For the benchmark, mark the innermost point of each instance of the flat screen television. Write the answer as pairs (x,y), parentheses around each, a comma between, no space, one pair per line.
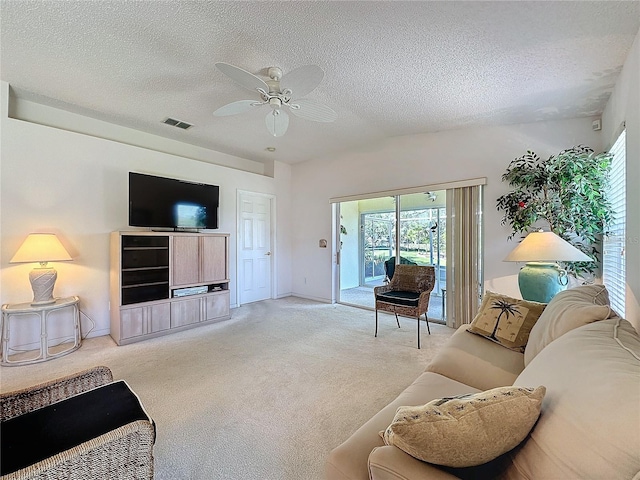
(159,202)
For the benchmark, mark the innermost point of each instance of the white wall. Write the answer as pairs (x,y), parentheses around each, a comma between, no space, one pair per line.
(624,105)
(77,186)
(411,161)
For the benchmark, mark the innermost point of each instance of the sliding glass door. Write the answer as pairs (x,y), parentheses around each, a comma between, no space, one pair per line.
(439,225)
(378,244)
(423,232)
(376,230)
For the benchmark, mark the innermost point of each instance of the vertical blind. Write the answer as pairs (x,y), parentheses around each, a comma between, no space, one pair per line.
(613,256)
(464,254)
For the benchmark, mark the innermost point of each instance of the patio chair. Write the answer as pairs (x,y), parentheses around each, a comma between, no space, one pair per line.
(406,294)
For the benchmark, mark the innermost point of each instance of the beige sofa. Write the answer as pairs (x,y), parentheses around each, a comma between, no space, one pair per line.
(589,361)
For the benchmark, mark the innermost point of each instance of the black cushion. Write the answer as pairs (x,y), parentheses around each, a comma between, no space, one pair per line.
(399,297)
(37,435)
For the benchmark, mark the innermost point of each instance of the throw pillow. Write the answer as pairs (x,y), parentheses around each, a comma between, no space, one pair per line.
(505,320)
(466,430)
(569,309)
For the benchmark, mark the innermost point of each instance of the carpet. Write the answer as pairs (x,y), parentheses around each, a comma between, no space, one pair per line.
(265,395)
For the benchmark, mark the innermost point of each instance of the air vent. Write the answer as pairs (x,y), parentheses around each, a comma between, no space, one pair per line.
(177,123)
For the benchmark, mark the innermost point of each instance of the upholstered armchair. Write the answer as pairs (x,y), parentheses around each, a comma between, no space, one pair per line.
(406,294)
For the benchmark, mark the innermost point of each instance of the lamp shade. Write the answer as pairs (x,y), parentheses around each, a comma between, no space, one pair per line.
(546,247)
(539,280)
(41,247)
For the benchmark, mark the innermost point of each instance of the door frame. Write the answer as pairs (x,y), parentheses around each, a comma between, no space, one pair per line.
(272,240)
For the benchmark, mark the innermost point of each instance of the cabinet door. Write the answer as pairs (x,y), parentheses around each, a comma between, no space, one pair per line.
(159,317)
(213,258)
(186,260)
(184,312)
(217,306)
(131,322)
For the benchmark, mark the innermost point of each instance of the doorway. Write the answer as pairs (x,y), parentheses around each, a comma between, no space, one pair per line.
(374,230)
(254,246)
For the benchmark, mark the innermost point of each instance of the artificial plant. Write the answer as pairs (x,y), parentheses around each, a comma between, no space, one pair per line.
(568,190)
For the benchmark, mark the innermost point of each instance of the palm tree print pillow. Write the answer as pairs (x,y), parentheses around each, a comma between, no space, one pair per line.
(505,320)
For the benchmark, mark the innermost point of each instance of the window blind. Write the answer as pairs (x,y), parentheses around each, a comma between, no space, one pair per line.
(464,254)
(613,256)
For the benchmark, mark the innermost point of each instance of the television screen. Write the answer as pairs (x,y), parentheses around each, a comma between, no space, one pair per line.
(159,202)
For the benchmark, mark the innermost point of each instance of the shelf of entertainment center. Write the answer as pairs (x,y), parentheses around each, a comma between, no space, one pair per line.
(163,282)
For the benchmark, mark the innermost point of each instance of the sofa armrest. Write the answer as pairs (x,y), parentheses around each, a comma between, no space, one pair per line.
(391,463)
(476,361)
(32,398)
(124,453)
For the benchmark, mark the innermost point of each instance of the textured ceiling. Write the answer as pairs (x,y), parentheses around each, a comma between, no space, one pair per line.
(391,68)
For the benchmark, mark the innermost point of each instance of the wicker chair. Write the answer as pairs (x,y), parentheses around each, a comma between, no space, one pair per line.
(123,453)
(406,294)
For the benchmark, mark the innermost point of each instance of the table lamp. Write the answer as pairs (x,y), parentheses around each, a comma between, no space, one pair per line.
(42,248)
(542,278)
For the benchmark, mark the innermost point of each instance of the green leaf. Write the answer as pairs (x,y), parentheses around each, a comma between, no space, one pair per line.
(567,190)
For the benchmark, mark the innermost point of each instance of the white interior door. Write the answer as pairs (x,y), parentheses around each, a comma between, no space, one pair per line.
(254,247)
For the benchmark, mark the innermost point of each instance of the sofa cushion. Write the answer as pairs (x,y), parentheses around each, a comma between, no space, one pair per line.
(349,460)
(391,463)
(466,430)
(506,320)
(569,309)
(475,361)
(588,427)
(400,297)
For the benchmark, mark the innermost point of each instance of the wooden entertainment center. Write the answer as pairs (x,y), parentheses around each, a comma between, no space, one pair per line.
(163,282)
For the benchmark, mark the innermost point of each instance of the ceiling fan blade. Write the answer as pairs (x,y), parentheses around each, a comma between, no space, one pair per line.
(234,108)
(277,122)
(242,77)
(302,80)
(312,110)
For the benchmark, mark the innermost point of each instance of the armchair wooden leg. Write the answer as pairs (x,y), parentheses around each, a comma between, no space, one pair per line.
(397,321)
(418,331)
(426,319)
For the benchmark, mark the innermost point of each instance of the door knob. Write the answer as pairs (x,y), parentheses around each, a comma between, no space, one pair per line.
(268,253)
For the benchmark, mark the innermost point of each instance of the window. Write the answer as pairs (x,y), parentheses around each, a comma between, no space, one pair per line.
(613,257)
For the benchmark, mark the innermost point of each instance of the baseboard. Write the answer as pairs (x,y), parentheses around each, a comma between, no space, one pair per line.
(309,297)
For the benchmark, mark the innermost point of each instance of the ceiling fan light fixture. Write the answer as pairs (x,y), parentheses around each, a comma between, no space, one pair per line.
(277,122)
(277,92)
(275,103)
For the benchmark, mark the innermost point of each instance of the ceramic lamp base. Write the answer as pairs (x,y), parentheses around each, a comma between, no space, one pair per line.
(42,282)
(540,282)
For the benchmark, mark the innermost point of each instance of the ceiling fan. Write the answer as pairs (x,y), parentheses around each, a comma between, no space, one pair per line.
(279,92)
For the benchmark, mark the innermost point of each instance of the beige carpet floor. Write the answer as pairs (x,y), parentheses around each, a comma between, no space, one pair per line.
(265,395)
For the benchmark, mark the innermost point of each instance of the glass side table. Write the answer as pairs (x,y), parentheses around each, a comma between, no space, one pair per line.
(11,313)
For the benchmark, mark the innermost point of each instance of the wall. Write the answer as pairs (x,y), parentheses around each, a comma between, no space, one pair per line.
(411,161)
(76,185)
(624,106)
